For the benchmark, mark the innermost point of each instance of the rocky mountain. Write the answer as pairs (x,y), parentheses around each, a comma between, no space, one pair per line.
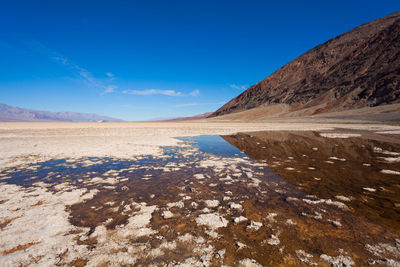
(10,113)
(358,69)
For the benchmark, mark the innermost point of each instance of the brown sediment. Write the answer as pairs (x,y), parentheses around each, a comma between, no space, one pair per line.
(90,242)
(19,247)
(84,215)
(40,202)
(7,221)
(316,236)
(79,262)
(181,251)
(346,176)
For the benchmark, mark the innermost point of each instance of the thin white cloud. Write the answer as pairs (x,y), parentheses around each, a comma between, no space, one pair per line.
(111,77)
(194,93)
(238,87)
(81,72)
(153,92)
(109,89)
(160,92)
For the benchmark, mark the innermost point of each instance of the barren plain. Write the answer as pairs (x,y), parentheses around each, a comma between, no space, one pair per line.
(202,193)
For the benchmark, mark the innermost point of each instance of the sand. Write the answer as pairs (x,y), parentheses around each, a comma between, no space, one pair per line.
(30,142)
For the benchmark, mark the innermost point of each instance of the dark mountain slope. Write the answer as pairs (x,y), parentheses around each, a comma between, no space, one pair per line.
(360,68)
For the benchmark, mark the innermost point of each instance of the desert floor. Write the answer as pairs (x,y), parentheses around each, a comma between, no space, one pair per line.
(27,142)
(283,194)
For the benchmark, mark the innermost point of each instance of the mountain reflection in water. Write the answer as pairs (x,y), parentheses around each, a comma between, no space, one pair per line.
(358,171)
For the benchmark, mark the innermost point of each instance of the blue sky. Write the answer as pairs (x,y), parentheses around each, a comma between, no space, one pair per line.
(140,60)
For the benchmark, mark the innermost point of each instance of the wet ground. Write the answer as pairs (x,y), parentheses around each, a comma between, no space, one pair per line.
(262,198)
(364,172)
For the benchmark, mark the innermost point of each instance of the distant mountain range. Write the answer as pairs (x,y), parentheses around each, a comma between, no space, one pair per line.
(358,69)
(10,113)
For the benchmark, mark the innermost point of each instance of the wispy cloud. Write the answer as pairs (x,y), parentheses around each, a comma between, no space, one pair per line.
(239,87)
(111,77)
(109,89)
(82,72)
(194,93)
(85,75)
(160,92)
(153,92)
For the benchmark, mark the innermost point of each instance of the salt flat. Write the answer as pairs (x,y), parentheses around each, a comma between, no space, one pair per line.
(101,194)
(22,142)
